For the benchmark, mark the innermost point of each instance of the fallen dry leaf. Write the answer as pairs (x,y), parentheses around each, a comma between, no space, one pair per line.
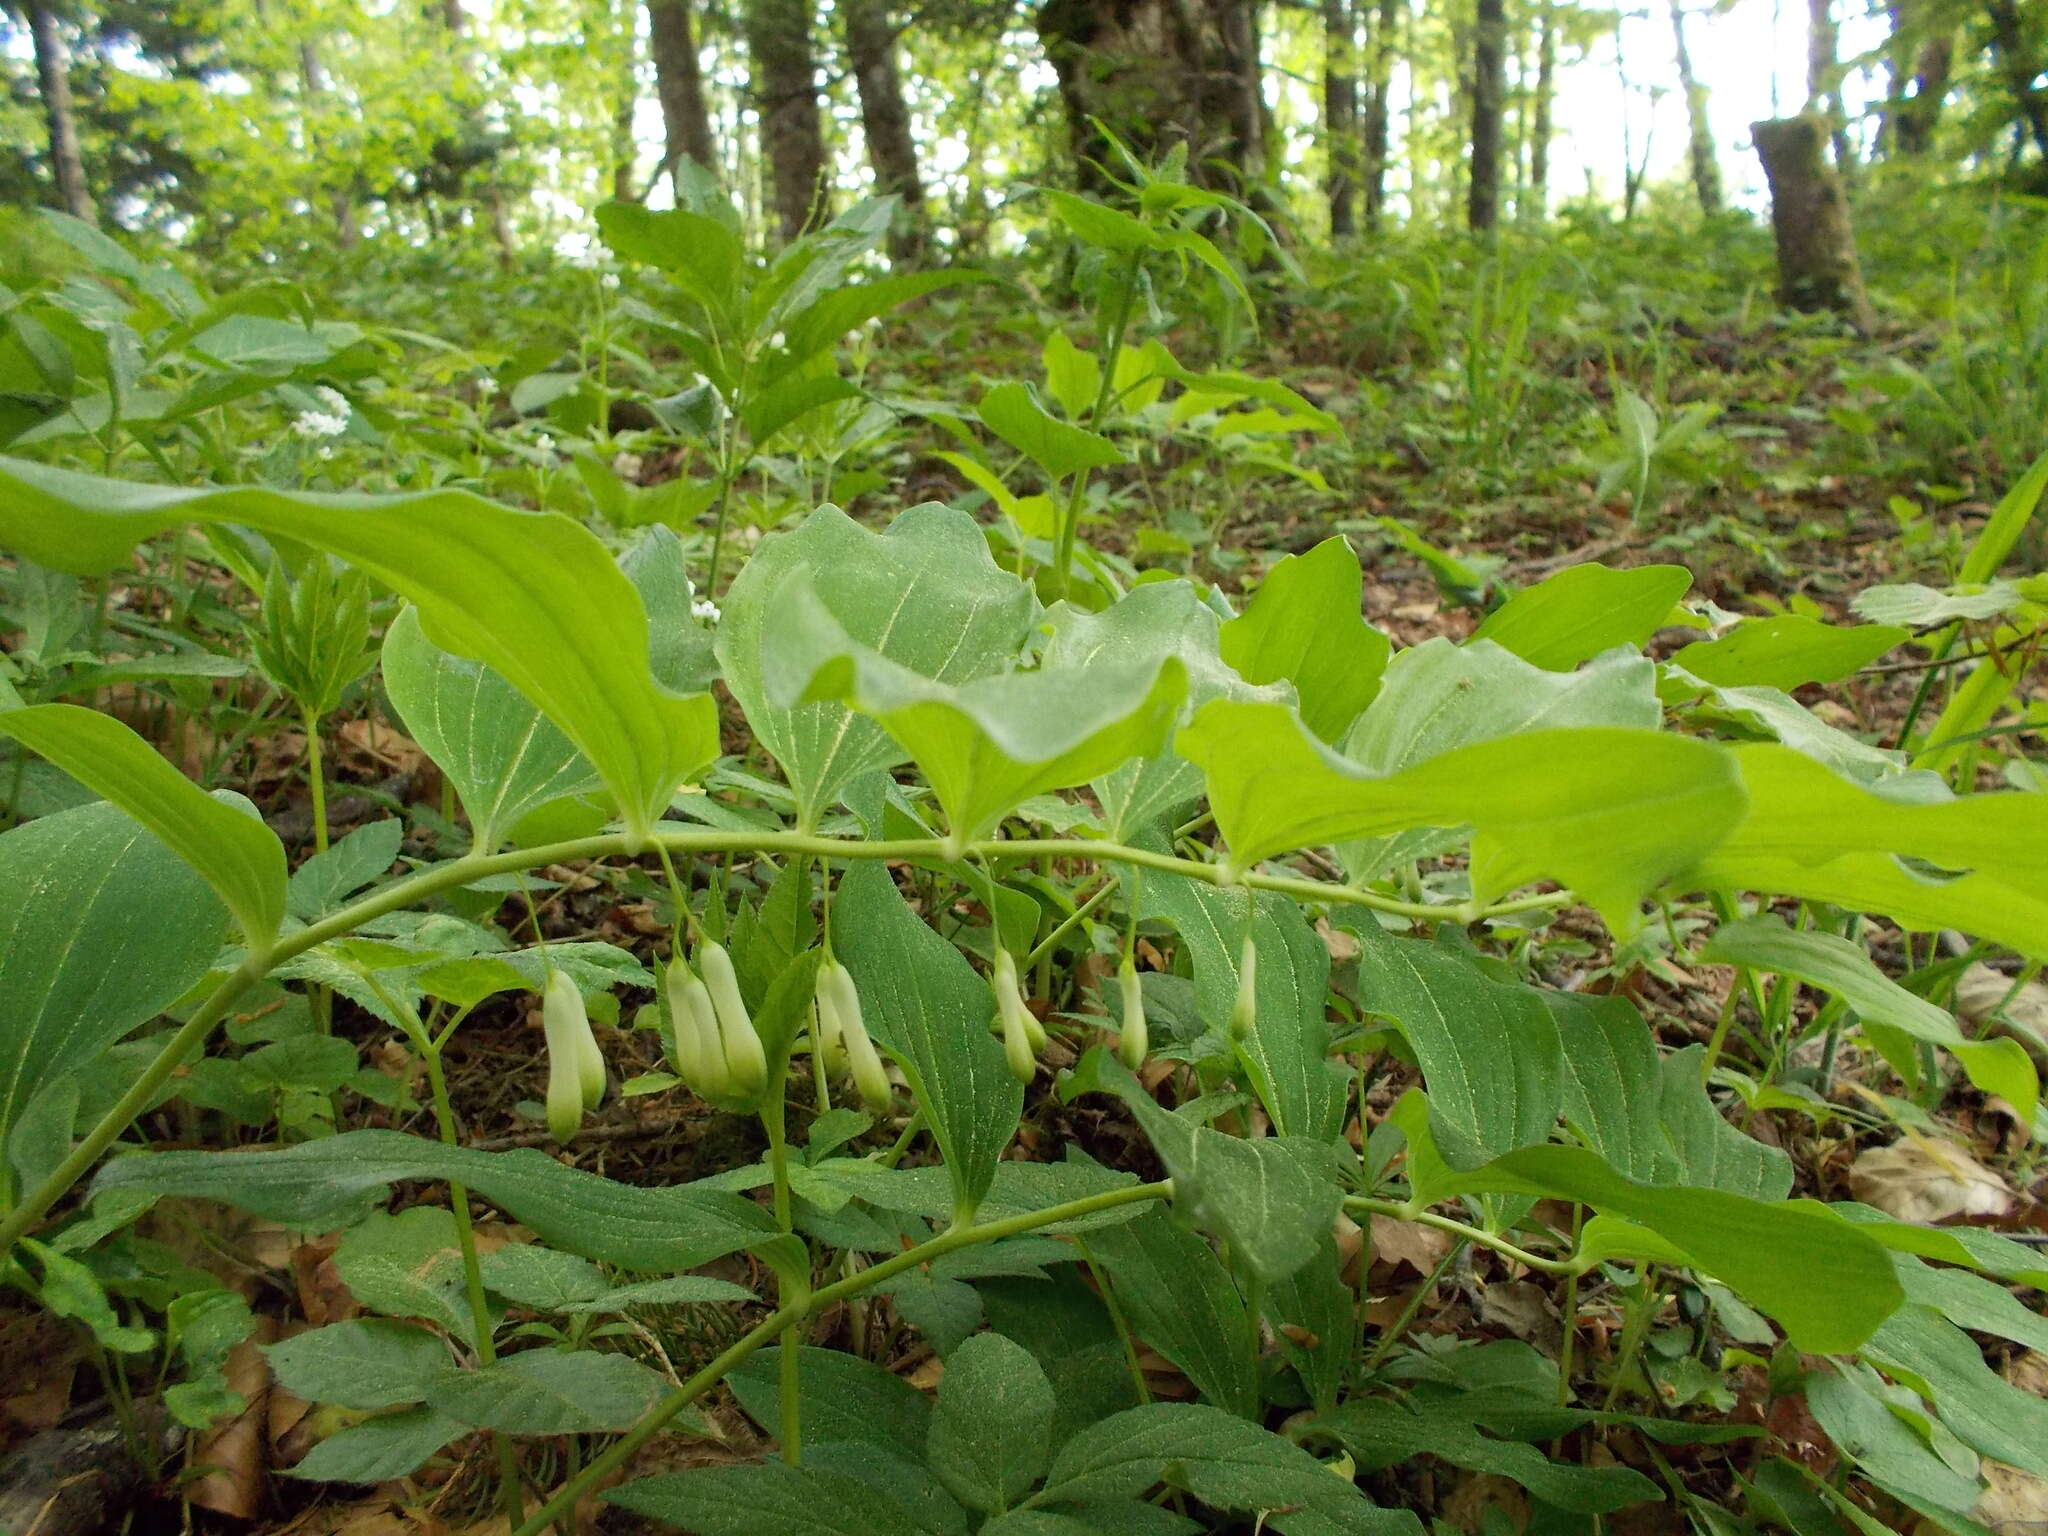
(1922,1180)
(1407,1242)
(2025,1017)
(2014,1503)
(236,1450)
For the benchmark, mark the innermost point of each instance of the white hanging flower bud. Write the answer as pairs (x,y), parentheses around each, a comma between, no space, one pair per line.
(575,1065)
(1244,1012)
(1133,1043)
(746,1063)
(1010,1009)
(837,991)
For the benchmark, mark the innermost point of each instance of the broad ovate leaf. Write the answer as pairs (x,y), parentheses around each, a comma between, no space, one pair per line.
(1304,627)
(988,744)
(926,595)
(1787,650)
(1583,610)
(1611,813)
(104,928)
(503,757)
(533,595)
(1810,833)
(225,841)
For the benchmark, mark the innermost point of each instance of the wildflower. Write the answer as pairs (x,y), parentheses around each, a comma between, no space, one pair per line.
(608,280)
(486,386)
(705,610)
(311,426)
(544,443)
(334,400)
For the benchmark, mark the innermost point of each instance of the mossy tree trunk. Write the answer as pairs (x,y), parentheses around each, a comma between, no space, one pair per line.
(1817,268)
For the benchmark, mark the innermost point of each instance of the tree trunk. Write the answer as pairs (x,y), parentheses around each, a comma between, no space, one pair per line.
(885,118)
(1340,111)
(313,80)
(2008,39)
(1489,87)
(785,90)
(1706,168)
(1913,118)
(1823,75)
(1546,93)
(53,79)
(1817,268)
(1374,135)
(1158,73)
(679,87)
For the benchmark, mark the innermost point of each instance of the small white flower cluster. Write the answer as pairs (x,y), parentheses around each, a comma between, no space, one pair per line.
(543,443)
(486,386)
(330,420)
(701,608)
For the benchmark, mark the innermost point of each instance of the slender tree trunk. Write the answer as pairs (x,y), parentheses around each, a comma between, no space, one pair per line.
(885,118)
(1913,118)
(1340,111)
(1373,138)
(313,81)
(1158,73)
(1546,91)
(456,20)
(785,90)
(53,80)
(1817,267)
(1823,75)
(2009,40)
(1706,168)
(679,86)
(1489,87)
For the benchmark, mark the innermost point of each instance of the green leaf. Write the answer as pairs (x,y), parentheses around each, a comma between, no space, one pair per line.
(1382,1434)
(769,1499)
(700,255)
(1767,1250)
(1271,1199)
(531,1276)
(1287,1051)
(1098,224)
(1852,1405)
(104,928)
(986,745)
(550,1392)
(2007,522)
(408,1265)
(319,1186)
(533,595)
(1149,623)
(1180,1299)
(1070,1333)
(1222,1460)
(68,1288)
(1822,960)
(1972,1302)
(1611,813)
(1011,412)
(501,755)
(367,1363)
(327,879)
(390,1445)
(926,595)
(1583,610)
(1489,1050)
(1072,377)
(990,1437)
(821,323)
(231,848)
(680,645)
(1813,834)
(845,1399)
(1787,650)
(926,1007)
(1304,626)
(1932,1355)
(1439,696)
